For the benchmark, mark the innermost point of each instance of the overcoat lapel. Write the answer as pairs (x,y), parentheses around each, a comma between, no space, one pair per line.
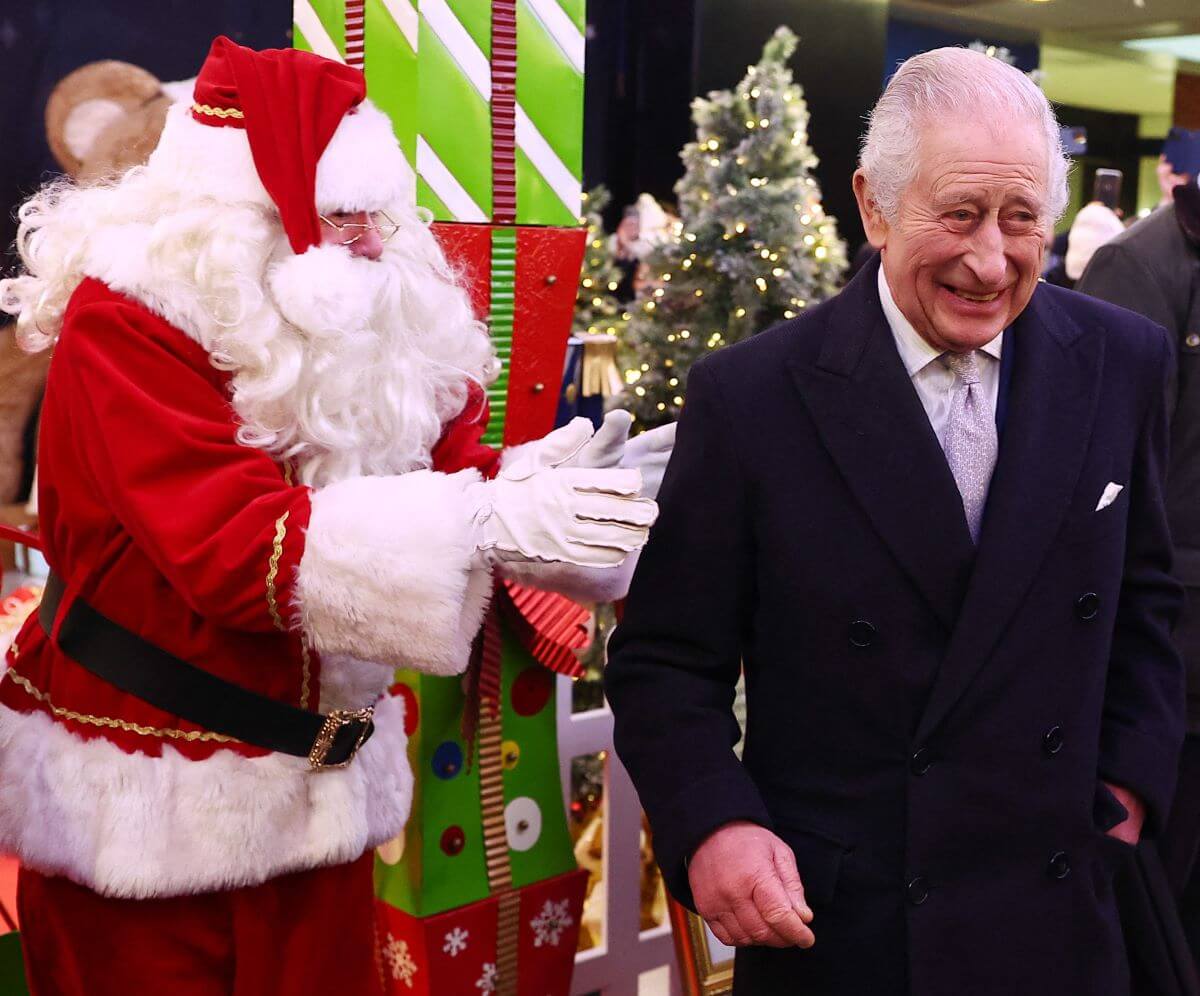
(874,426)
(1051,409)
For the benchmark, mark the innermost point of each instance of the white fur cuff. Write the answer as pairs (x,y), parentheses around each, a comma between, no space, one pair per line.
(387,574)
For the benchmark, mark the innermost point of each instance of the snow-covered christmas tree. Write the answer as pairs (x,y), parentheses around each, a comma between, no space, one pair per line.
(755,246)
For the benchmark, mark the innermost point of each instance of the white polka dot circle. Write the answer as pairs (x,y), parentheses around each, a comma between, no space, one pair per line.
(522,823)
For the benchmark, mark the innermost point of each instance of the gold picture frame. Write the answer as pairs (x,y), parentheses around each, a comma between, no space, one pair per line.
(705,964)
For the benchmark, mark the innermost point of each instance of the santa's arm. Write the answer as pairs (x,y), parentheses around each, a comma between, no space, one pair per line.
(388,572)
(374,567)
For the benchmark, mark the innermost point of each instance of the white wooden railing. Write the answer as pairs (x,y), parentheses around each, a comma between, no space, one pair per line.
(628,961)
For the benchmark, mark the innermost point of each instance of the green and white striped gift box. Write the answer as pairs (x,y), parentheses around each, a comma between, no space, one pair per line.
(428,66)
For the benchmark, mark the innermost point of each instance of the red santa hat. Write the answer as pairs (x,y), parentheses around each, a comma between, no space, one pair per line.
(287,129)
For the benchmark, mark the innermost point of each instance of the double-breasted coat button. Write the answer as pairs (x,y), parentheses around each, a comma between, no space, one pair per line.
(862,633)
(1059,866)
(917,890)
(1088,606)
(921,761)
(1052,740)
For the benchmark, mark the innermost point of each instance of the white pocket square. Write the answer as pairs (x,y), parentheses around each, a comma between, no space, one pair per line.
(1110,495)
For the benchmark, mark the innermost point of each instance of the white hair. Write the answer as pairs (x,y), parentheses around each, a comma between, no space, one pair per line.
(932,88)
(340,365)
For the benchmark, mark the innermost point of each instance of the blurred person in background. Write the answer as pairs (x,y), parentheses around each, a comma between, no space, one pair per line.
(1153,268)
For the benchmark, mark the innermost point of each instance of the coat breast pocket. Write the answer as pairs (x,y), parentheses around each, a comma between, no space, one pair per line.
(1101,502)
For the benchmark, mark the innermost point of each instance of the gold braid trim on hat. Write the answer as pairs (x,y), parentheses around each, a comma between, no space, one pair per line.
(217,112)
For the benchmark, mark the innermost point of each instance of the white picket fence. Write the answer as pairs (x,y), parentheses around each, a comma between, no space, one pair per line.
(629,961)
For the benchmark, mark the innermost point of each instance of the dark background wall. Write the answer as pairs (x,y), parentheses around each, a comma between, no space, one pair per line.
(907,38)
(1113,143)
(41,42)
(645,61)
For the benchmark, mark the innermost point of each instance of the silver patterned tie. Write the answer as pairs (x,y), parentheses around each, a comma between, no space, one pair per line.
(969,441)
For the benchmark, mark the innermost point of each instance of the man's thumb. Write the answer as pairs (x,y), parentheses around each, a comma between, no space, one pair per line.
(789,875)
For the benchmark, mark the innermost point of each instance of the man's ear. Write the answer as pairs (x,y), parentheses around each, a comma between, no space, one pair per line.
(874,223)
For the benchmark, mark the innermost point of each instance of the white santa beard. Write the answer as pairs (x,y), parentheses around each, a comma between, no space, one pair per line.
(352,366)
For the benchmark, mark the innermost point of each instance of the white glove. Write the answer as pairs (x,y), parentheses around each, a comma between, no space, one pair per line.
(537,513)
(650,453)
(573,445)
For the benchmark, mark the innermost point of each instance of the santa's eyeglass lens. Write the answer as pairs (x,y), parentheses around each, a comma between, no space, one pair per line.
(381,221)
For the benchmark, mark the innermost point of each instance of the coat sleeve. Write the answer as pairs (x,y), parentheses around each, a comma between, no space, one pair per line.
(158,439)
(1143,723)
(376,567)
(675,659)
(1117,275)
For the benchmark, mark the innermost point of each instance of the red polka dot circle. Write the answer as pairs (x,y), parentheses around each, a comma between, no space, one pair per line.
(412,711)
(531,691)
(453,840)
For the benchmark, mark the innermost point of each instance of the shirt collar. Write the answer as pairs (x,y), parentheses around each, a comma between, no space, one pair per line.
(915,353)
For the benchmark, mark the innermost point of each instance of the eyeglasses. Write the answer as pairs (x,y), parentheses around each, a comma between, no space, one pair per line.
(380,221)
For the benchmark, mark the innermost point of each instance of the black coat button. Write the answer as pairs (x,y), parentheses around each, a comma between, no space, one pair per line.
(1088,606)
(1052,740)
(862,633)
(1059,866)
(918,891)
(921,761)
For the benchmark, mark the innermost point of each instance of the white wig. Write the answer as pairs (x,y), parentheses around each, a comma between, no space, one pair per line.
(341,366)
(938,86)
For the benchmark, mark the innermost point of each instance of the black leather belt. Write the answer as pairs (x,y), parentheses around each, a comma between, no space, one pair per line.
(149,673)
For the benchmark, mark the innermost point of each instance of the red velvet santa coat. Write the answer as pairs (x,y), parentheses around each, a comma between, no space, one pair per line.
(153,512)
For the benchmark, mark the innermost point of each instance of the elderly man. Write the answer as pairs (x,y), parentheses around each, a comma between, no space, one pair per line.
(927,520)
(262,490)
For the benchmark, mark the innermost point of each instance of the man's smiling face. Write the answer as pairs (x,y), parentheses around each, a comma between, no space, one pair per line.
(963,255)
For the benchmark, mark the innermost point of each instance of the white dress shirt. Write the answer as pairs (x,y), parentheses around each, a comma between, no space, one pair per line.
(933,381)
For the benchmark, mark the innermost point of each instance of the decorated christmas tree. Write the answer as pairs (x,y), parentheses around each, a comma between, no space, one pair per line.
(755,246)
(597,310)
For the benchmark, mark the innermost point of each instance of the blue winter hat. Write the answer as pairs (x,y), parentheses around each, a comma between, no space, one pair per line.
(1182,151)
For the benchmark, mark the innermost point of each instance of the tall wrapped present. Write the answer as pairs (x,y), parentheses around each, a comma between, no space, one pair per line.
(481,892)
(476,90)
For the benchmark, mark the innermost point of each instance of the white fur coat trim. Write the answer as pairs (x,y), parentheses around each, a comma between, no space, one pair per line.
(136,826)
(387,573)
(362,168)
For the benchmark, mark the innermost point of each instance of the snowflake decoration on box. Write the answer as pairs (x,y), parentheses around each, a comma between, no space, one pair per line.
(487,982)
(548,926)
(400,960)
(456,942)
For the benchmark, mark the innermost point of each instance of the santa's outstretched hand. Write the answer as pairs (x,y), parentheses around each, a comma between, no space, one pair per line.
(545,510)
(607,450)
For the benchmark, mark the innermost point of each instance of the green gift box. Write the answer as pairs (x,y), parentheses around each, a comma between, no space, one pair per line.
(441,860)
(12,968)
(486,97)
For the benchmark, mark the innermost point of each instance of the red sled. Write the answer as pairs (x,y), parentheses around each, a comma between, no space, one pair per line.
(455,953)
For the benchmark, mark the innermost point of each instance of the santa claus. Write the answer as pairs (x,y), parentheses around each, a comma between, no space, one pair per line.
(262,490)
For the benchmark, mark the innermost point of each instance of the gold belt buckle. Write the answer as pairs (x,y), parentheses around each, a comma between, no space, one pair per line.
(334,722)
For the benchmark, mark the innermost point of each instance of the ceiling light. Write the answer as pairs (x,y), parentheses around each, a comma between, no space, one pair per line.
(1181,46)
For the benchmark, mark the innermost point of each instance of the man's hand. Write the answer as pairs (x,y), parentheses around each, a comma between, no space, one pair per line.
(1131,829)
(746,886)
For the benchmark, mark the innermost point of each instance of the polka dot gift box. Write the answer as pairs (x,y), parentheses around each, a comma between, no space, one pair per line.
(482,890)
